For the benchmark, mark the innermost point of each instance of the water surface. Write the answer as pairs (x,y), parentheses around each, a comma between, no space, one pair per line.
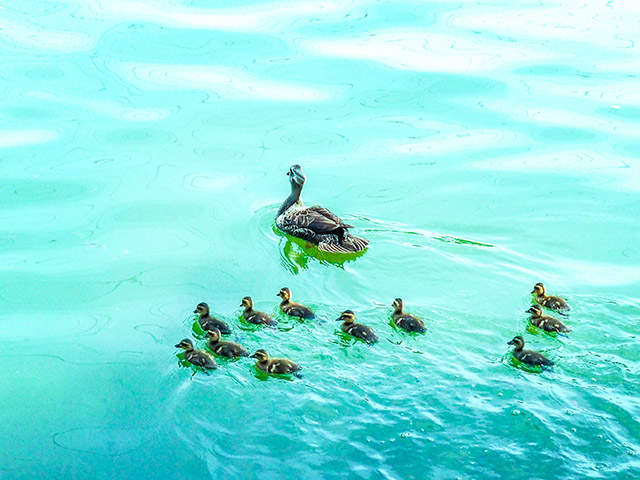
(481,147)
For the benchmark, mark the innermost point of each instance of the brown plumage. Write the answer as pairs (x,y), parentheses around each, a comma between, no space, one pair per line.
(549,301)
(356,329)
(197,357)
(224,348)
(292,308)
(406,321)
(549,324)
(528,357)
(274,365)
(253,316)
(316,225)
(207,322)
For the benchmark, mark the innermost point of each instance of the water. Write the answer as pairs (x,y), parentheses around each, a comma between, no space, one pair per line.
(480,146)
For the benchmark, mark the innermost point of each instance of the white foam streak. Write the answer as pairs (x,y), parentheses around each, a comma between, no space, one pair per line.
(429,51)
(245,18)
(19,138)
(224,82)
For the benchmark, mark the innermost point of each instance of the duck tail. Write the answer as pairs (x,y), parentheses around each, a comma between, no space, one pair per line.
(347,244)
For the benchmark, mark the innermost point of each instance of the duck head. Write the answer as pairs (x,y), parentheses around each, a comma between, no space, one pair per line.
(202,309)
(261,355)
(539,289)
(535,311)
(347,317)
(517,342)
(213,334)
(296,176)
(284,293)
(186,344)
(247,303)
(397,305)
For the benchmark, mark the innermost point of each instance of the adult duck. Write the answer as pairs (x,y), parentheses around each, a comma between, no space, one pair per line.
(317,225)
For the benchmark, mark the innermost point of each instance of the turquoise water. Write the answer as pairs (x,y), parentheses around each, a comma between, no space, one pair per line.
(481,147)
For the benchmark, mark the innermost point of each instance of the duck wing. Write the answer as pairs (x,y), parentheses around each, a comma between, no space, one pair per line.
(318,219)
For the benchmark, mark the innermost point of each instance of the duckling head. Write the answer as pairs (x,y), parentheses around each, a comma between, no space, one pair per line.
(202,309)
(517,342)
(539,289)
(535,310)
(247,303)
(397,305)
(347,317)
(296,175)
(284,293)
(185,344)
(261,355)
(213,334)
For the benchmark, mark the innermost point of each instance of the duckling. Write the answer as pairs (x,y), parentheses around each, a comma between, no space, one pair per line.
(528,356)
(549,324)
(197,357)
(207,322)
(549,301)
(316,225)
(356,329)
(405,320)
(223,348)
(253,316)
(274,365)
(292,308)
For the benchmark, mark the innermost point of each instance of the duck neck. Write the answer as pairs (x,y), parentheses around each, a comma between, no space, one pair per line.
(294,197)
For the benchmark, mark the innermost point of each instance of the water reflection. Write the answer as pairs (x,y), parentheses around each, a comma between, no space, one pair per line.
(297,255)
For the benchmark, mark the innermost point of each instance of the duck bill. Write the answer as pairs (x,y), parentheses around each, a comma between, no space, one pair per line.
(178,345)
(339,319)
(528,311)
(510,342)
(195,311)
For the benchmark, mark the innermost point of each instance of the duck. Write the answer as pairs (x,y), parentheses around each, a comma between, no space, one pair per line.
(316,225)
(406,321)
(207,322)
(223,348)
(528,357)
(549,301)
(546,323)
(292,308)
(356,329)
(274,365)
(253,316)
(198,358)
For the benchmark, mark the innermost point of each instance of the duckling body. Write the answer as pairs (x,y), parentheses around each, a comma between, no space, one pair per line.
(356,329)
(549,301)
(207,322)
(292,308)
(317,225)
(546,323)
(274,365)
(254,316)
(197,357)
(406,321)
(224,348)
(528,357)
